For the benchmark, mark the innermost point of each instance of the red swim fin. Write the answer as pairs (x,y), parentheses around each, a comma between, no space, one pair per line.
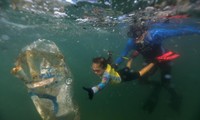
(167,56)
(174,56)
(178,16)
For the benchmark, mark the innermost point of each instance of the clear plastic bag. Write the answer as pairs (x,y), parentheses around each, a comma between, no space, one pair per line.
(42,68)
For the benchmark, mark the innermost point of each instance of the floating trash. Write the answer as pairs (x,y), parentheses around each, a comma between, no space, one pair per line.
(42,69)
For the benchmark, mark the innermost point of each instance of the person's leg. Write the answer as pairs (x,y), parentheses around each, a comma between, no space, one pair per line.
(166,77)
(128,64)
(144,79)
(167,84)
(152,100)
(127,74)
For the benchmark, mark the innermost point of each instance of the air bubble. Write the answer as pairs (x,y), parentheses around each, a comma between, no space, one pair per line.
(68,81)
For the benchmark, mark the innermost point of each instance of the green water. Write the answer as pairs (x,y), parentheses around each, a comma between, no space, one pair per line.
(80,43)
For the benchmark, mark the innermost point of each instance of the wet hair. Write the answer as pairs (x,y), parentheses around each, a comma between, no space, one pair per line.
(103,61)
(136,30)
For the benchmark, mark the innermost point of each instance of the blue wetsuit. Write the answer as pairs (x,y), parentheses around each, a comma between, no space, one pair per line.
(152,45)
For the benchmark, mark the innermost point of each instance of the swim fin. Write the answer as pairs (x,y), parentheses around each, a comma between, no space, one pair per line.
(167,56)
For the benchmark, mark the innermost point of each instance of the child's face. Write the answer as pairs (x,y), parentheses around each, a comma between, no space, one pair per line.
(97,69)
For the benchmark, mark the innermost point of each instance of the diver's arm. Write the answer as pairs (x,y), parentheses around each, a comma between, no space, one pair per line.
(102,84)
(146,69)
(92,90)
(181,31)
(129,46)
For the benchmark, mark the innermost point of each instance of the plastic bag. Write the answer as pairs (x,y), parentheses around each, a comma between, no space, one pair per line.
(42,68)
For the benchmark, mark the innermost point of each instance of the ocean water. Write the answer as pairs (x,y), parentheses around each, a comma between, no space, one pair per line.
(79,43)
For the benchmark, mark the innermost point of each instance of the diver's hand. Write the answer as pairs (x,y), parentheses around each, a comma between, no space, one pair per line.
(90,92)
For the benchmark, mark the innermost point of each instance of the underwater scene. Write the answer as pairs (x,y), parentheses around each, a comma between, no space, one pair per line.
(47,51)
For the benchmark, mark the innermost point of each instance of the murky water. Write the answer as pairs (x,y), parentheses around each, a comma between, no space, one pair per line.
(82,32)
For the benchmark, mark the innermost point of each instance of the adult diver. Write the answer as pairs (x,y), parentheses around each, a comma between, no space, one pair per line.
(148,41)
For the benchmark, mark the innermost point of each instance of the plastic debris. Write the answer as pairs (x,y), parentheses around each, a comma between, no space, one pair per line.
(42,69)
